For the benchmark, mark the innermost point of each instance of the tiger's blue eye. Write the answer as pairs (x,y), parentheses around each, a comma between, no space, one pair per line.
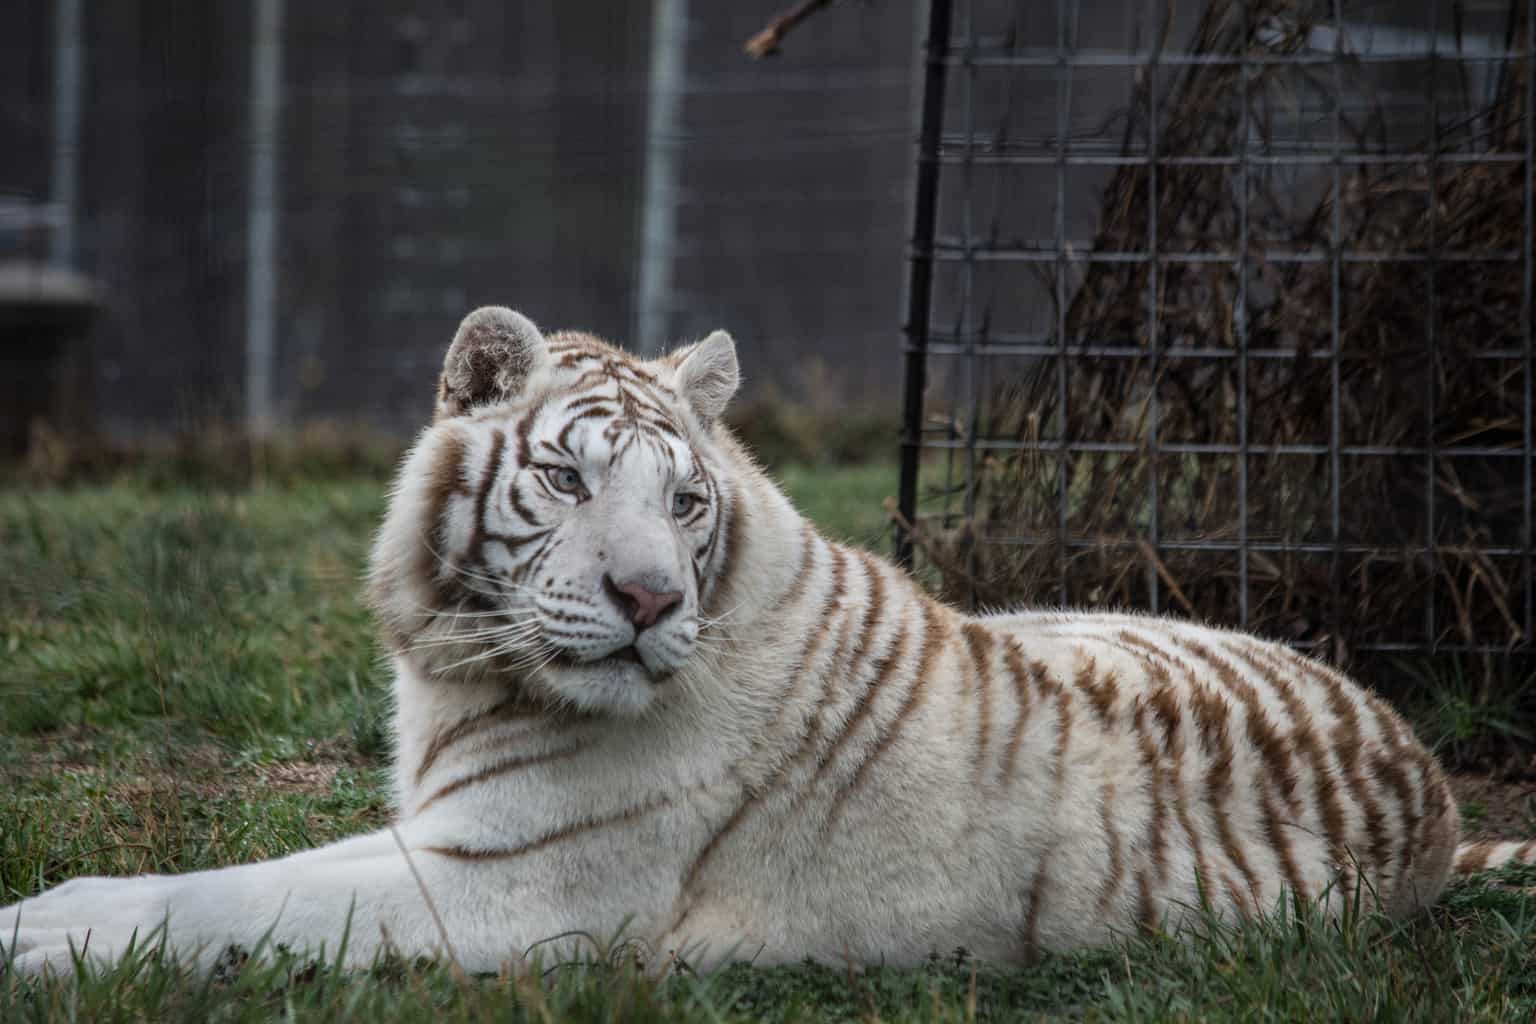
(683,503)
(565,479)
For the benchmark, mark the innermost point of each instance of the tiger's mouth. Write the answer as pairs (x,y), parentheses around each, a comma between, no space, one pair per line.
(629,655)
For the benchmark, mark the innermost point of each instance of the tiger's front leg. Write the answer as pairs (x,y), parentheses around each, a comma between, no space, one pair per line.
(360,891)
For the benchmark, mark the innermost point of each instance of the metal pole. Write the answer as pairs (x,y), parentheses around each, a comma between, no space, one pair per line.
(658,224)
(68,58)
(920,283)
(1240,328)
(1528,321)
(1154,303)
(261,215)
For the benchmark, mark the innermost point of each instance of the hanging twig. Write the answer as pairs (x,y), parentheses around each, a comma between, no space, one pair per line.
(766,43)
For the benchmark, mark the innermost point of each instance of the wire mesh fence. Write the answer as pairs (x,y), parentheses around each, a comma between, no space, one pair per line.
(1225,309)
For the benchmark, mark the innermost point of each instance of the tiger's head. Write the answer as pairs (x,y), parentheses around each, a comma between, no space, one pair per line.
(563,525)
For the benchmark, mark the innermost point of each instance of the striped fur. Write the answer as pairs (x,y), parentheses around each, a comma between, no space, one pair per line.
(809,756)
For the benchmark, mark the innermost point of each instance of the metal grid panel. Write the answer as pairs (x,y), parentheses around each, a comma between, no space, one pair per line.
(1037,117)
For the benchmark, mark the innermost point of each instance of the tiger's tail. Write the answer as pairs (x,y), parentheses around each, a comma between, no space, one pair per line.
(1485,856)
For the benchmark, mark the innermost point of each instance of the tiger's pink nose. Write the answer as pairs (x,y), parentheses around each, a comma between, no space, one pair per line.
(640,604)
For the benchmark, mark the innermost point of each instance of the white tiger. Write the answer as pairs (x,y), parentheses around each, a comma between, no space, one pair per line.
(634,686)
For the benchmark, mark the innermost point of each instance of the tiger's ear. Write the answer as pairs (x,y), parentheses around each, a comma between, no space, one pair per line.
(707,375)
(493,354)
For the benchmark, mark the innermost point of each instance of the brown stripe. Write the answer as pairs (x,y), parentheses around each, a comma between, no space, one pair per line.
(1348,742)
(1434,792)
(839,673)
(712,502)
(548,545)
(1164,703)
(620,363)
(1262,735)
(1203,875)
(511,709)
(1175,748)
(736,515)
(935,639)
(1032,911)
(872,610)
(1212,716)
(1239,902)
(524,431)
(502,767)
(577,356)
(583,402)
(1063,738)
(865,701)
(445,480)
(1473,857)
(1402,752)
(1101,694)
(512,542)
(1389,767)
(1023,676)
(1152,763)
(826,620)
(1051,687)
(979,643)
(1281,774)
(551,838)
(1325,788)
(1390,722)
(843,671)
(487,480)
(593,378)
(1116,876)
(1146,907)
(1274,834)
(803,571)
(691,876)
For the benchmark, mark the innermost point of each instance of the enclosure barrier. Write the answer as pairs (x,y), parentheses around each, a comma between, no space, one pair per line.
(1225,309)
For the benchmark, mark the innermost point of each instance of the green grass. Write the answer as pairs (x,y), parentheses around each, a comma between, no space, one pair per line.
(187,679)
(845,501)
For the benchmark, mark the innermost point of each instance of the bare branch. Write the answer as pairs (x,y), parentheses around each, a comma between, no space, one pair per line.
(766,43)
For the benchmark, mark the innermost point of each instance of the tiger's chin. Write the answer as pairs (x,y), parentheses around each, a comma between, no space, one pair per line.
(620,683)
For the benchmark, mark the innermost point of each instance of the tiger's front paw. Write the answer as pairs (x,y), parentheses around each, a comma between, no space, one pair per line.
(96,919)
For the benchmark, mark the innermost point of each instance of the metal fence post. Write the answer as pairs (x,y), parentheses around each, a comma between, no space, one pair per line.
(920,282)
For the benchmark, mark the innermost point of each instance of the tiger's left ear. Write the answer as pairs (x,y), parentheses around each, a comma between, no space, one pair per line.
(707,375)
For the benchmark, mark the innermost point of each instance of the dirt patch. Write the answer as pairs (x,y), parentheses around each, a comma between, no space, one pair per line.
(300,776)
(1496,806)
(202,769)
(60,748)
